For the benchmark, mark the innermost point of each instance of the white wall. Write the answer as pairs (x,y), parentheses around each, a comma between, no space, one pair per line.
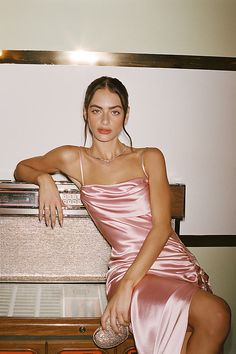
(198,27)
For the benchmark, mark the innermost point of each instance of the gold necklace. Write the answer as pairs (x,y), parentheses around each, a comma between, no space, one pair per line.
(108,160)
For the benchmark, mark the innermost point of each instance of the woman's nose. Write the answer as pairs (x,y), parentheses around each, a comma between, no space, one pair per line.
(105,118)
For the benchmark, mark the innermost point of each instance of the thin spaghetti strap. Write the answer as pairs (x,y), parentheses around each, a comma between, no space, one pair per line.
(81,166)
(142,161)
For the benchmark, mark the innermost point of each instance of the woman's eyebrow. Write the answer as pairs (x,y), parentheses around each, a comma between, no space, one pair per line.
(117,106)
(112,107)
(95,105)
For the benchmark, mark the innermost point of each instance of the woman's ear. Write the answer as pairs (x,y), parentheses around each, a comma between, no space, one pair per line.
(127,115)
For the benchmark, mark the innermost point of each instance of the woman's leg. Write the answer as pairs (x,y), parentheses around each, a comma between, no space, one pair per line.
(209,317)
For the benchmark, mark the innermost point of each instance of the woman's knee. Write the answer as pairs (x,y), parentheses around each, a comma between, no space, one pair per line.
(211,314)
(219,319)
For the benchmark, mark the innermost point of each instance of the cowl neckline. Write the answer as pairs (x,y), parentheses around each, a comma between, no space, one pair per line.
(134,180)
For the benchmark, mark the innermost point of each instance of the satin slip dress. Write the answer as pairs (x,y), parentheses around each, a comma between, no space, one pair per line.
(160,301)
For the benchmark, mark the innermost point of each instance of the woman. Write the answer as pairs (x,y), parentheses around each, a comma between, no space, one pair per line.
(154,284)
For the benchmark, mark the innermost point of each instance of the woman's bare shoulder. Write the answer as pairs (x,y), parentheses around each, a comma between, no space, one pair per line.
(69,148)
(68,152)
(154,161)
(150,152)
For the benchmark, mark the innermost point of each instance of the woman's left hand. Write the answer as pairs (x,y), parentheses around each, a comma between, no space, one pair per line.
(117,310)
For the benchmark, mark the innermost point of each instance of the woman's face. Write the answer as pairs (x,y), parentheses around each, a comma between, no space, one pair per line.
(105,115)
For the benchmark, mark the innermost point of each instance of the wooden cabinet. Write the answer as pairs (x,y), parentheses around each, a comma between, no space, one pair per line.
(54,336)
(61,346)
(85,347)
(21,346)
(64,346)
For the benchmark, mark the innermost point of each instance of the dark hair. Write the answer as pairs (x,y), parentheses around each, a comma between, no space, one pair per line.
(115,86)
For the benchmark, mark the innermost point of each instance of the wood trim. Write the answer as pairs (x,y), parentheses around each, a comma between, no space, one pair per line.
(209,240)
(177,193)
(74,327)
(117,59)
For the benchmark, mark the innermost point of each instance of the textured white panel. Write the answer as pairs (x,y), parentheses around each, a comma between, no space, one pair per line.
(30,251)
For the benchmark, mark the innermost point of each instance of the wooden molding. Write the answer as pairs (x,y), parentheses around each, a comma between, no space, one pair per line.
(209,240)
(117,59)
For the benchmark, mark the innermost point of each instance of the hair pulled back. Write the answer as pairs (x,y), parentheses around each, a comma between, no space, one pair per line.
(115,86)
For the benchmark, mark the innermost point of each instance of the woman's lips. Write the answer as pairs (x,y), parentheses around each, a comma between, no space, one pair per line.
(104,131)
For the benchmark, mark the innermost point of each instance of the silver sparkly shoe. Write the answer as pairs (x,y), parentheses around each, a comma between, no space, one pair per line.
(106,339)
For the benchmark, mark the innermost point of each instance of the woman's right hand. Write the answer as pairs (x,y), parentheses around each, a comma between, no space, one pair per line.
(50,202)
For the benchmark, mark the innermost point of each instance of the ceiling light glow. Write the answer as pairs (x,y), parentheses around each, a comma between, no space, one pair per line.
(83,57)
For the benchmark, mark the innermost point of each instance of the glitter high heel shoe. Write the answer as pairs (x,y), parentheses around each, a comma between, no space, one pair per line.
(106,339)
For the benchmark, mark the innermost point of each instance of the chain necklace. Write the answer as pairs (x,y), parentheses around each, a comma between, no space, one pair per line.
(108,160)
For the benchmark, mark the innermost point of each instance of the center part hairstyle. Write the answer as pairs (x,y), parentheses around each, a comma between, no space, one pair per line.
(115,86)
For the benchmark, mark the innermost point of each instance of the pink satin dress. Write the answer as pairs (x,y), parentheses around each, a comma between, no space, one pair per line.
(160,301)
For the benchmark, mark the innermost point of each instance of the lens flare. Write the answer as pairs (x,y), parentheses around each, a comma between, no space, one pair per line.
(83,57)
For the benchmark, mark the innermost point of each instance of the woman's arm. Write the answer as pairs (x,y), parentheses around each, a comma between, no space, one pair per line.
(38,170)
(118,306)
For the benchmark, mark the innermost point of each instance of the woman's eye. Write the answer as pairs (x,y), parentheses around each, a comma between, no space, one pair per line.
(115,113)
(95,111)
